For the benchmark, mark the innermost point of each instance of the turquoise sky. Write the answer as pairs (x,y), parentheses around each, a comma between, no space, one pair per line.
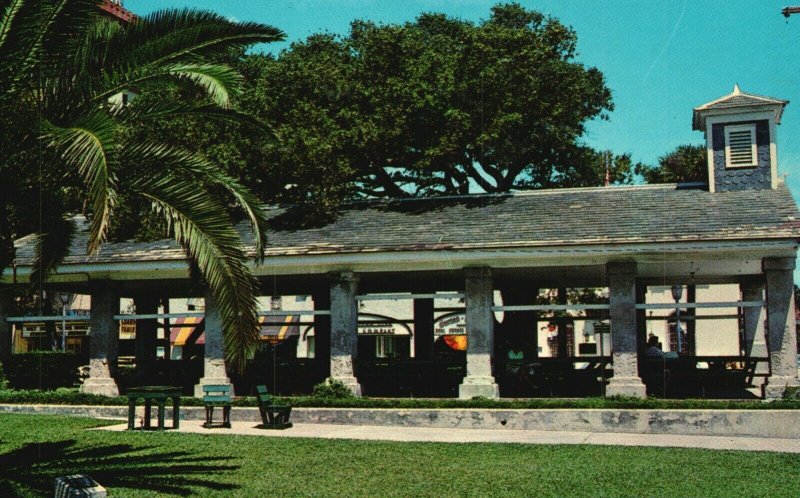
(660,59)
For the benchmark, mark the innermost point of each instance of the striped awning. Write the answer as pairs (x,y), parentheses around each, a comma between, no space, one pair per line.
(275,328)
(182,330)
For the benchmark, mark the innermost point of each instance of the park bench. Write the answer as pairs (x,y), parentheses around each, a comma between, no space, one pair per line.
(217,395)
(272,416)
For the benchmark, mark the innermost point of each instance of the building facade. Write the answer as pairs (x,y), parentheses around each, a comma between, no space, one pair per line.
(499,268)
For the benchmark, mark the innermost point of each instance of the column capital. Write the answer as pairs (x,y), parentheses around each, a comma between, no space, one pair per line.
(778,264)
(343,276)
(478,271)
(621,268)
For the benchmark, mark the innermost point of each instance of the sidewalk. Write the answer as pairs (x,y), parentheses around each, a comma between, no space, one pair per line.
(394,433)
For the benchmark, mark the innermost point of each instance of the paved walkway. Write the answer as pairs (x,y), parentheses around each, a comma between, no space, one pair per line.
(392,433)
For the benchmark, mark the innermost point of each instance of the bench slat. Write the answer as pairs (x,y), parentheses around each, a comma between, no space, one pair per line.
(217,399)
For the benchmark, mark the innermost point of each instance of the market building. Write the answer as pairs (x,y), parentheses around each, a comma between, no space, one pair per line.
(481,294)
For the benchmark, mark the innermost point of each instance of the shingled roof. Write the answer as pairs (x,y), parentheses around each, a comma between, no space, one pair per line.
(568,217)
(736,99)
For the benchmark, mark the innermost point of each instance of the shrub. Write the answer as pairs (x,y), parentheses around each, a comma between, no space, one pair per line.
(3,380)
(792,393)
(43,370)
(332,389)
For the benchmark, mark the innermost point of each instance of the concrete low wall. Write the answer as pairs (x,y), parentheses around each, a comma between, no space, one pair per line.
(758,423)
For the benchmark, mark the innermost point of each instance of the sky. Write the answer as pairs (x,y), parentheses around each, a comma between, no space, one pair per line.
(660,58)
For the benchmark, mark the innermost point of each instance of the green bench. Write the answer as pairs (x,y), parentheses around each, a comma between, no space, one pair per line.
(217,395)
(273,416)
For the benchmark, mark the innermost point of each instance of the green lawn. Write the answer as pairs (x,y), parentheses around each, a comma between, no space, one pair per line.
(35,449)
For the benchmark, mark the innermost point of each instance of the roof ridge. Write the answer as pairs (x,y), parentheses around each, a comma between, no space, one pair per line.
(531,192)
(738,93)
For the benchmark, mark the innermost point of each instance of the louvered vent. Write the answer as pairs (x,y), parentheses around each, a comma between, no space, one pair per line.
(740,146)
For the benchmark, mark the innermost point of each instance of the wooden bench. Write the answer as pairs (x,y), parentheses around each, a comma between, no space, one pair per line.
(273,416)
(217,395)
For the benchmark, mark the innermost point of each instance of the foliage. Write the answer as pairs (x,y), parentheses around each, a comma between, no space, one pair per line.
(3,379)
(434,106)
(332,389)
(66,141)
(687,163)
(792,393)
(182,464)
(43,370)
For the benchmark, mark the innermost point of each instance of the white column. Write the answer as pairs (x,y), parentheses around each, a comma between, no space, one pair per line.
(103,340)
(781,333)
(344,329)
(214,371)
(479,297)
(622,300)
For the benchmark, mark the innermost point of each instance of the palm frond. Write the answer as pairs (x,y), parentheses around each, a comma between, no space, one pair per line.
(169,36)
(9,13)
(52,247)
(217,80)
(188,165)
(203,228)
(90,145)
(140,112)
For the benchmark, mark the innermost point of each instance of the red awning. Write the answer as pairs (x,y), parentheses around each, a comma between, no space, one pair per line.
(275,328)
(182,330)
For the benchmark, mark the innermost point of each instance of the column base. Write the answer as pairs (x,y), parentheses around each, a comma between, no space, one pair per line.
(104,386)
(211,381)
(351,383)
(626,386)
(775,386)
(484,387)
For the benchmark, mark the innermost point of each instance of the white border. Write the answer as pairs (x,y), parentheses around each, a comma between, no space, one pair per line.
(753,148)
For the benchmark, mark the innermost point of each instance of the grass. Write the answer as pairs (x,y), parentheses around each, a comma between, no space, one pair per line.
(35,449)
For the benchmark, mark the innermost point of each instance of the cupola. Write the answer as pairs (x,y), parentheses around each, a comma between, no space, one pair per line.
(740,131)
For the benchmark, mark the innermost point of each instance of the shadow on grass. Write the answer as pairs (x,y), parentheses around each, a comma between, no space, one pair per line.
(33,468)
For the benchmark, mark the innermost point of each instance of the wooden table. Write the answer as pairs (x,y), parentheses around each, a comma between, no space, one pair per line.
(159,394)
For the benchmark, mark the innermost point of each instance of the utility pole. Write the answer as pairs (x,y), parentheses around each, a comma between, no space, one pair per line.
(787,11)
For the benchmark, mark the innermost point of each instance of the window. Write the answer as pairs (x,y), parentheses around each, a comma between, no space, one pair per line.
(384,346)
(740,146)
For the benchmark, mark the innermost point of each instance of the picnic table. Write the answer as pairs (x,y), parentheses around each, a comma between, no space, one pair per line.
(159,394)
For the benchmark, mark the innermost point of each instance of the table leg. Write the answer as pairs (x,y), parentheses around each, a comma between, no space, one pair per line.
(147,404)
(176,412)
(131,414)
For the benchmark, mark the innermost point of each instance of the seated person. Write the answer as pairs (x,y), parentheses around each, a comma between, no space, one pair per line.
(653,351)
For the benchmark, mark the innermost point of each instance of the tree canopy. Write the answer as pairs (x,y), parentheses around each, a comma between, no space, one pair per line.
(434,106)
(686,163)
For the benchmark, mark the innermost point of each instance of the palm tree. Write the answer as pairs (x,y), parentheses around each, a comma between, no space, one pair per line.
(61,68)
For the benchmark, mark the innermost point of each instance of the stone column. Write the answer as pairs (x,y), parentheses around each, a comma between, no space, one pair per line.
(622,298)
(755,342)
(781,334)
(214,372)
(103,340)
(423,329)
(344,329)
(146,335)
(6,305)
(479,297)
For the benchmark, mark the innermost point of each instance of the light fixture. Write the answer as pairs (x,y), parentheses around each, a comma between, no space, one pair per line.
(677,292)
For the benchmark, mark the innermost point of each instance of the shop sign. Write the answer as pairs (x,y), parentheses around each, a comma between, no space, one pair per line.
(450,324)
